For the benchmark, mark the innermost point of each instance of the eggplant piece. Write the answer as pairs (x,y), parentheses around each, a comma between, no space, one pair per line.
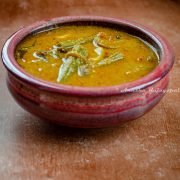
(20,53)
(102,40)
(43,54)
(40,55)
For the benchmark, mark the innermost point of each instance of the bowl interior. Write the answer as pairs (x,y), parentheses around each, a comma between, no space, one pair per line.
(159,45)
(132,30)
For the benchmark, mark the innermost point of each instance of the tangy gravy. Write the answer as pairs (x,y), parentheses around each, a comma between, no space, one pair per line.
(86,56)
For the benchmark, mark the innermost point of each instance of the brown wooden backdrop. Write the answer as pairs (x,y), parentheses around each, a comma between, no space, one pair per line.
(147,148)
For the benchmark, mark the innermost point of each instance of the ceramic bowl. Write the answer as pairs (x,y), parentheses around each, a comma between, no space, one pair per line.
(88,107)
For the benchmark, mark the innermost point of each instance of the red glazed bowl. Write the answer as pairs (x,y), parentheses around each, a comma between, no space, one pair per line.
(88,107)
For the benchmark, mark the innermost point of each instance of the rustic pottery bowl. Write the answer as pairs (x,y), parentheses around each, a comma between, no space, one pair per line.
(87,107)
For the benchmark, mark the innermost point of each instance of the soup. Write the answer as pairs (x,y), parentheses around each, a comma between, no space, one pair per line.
(86,56)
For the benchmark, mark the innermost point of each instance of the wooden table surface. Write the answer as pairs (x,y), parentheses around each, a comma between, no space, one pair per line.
(147,148)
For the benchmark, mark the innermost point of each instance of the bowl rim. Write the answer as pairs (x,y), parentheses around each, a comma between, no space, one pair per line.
(166,60)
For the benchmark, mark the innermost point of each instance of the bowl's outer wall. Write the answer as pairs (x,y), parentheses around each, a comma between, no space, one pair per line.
(84,111)
(88,107)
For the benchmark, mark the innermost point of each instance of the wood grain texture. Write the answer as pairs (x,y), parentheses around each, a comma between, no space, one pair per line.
(147,148)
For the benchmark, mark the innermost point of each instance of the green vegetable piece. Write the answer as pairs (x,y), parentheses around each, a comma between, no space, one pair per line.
(84,70)
(74,61)
(111,59)
(54,53)
(79,52)
(69,44)
(66,69)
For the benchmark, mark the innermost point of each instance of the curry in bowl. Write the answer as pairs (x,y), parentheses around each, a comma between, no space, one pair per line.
(86,56)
